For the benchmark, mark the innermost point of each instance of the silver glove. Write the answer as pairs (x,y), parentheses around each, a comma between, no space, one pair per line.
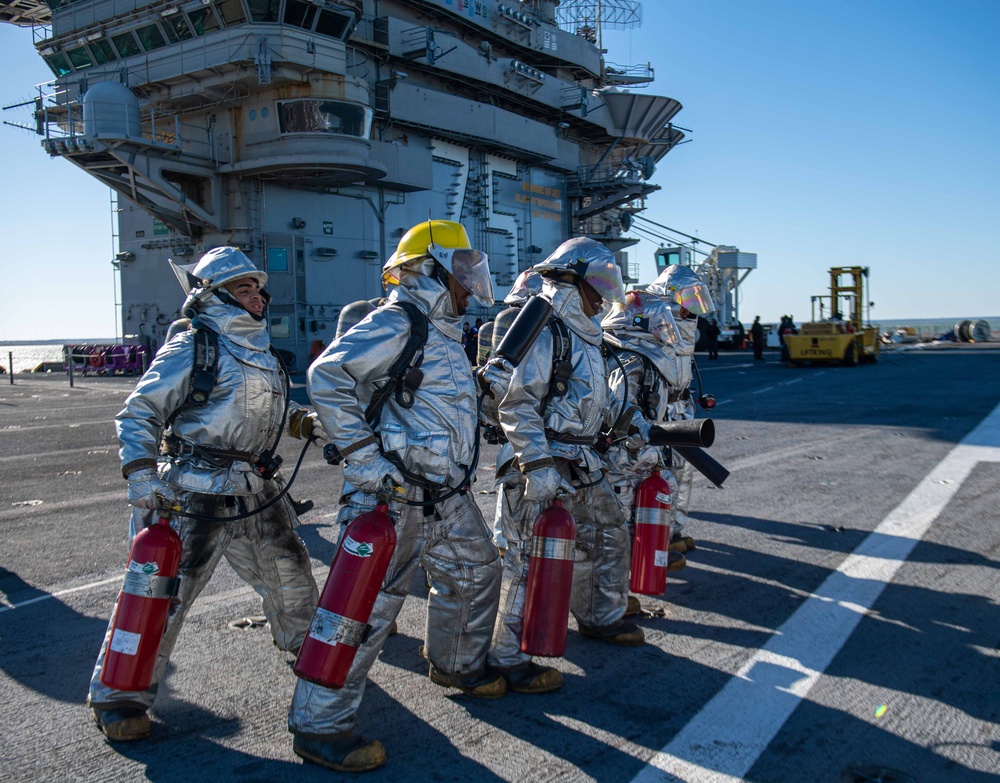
(367,469)
(146,490)
(494,377)
(543,484)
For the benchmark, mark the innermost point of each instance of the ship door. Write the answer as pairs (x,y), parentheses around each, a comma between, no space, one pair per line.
(284,257)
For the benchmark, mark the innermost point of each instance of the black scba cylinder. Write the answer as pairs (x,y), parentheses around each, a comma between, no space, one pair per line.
(524,330)
(694,432)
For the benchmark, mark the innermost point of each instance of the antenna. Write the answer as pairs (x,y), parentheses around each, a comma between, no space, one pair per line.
(587,18)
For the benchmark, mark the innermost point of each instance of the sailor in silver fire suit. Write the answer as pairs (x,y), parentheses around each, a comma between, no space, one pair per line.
(644,335)
(689,298)
(213,470)
(550,451)
(427,449)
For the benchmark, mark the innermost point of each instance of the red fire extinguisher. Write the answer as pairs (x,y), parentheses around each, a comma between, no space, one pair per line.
(340,623)
(550,579)
(651,542)
(143,603)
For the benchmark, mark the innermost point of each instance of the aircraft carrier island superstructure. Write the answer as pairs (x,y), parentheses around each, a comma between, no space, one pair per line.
(313,133)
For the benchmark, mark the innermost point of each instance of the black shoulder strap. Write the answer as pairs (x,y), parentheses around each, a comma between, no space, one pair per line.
(206,364)
(562,364)
(400,372)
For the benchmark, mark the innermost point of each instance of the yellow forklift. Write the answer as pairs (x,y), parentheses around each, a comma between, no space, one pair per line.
(837,339)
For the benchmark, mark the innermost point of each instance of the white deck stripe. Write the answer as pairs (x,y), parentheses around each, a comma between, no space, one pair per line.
(727,736)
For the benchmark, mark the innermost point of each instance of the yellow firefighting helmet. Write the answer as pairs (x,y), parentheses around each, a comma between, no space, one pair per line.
(447,243)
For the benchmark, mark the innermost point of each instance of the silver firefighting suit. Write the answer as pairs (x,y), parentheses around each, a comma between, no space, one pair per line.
(434,443)
(681,408)
(242,416)
(627,463)
(560,433)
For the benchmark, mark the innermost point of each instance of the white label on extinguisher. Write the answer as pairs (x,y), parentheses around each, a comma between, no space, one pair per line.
(651,516)
(663,497)
(334,629)
(143,580)
(358,548)
(661,558)
(125,642)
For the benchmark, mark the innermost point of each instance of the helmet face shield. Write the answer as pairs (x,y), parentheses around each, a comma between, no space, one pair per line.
(695,298)
(606,279)
(471,268)
(448,244)
(590,260)
(681,286)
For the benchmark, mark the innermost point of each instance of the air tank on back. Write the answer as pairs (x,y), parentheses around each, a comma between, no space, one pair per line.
(111,109)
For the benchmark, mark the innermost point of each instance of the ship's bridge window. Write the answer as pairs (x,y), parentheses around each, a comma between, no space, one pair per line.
(299,14)
(231,12)
(79,58)
(264,10)
(333,24)
(177,28)
(101,51)
(58,63)
(151,37)
(203,20)
(318,116)
(126,44)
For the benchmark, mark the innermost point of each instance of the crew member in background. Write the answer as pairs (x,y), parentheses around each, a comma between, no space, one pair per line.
(550,452)
(689,297)
(712,332)
(427,449)
(219,466)
(643,334)
(757,337)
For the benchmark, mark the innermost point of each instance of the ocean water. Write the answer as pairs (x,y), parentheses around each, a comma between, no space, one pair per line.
(27,357)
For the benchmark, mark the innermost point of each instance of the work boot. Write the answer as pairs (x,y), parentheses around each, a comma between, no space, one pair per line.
(678,544)
(344,752)
(393,629)
(633,607)
(531,678)
(625,634)
(122,724)
(487,685)
(676,561)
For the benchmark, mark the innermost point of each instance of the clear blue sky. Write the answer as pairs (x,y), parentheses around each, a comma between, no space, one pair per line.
(859,132)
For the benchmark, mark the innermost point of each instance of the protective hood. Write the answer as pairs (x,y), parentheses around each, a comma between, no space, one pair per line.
(591,261)
(643,313)
(238,327)
(528,283)
(208,277)
(431,297)
(681,286)
(567,304)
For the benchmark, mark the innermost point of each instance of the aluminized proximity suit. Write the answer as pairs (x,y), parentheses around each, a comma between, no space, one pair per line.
(243,415)
(562,430)
(434,441)
(681,408)
(627,467)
